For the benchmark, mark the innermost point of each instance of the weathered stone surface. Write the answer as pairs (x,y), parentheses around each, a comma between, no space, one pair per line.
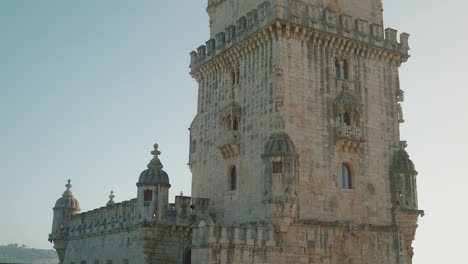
(295,150)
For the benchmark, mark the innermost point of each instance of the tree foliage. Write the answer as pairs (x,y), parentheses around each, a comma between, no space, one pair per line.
(13,253)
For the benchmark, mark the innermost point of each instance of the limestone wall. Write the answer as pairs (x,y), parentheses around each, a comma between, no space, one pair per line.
(306,242)
(310,93)
(120,248)
(255,96)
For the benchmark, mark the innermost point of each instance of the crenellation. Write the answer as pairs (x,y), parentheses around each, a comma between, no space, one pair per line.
(340,25)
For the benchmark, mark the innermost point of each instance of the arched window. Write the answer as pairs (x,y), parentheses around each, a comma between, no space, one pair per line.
(235,124)
(188,257)
(337,68)
(148,195)
(233,77)
(233,178)
(347,119)
(345,177)
(345,69)
(344,119)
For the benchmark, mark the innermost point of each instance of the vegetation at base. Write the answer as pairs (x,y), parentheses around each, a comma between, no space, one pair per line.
(13,253)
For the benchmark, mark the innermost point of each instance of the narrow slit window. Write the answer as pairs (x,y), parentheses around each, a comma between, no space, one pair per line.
(337,68)
(235,124)
(345,69)
(233,178)
(345,177)
(233,77)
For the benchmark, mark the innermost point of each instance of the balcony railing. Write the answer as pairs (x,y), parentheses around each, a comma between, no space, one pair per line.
(349,133)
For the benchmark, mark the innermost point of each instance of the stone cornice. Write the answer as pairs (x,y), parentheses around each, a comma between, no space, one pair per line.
(337,224)
(300,21)
(284,29)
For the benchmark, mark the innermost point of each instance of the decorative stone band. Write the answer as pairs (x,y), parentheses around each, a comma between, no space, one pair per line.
(322,27)
(246,235)
(105,219)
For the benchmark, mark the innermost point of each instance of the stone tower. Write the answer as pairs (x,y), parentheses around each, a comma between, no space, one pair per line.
(297,130)
(65,207)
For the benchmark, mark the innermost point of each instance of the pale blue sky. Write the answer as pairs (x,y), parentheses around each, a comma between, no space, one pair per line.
(86,88)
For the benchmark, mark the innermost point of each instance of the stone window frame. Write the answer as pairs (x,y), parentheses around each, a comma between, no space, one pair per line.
(277,166)
(342,67)
(234,75)
(233,182)
(349,185)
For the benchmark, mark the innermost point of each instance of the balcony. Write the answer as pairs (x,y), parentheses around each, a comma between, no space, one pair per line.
(228,143)
(349,138)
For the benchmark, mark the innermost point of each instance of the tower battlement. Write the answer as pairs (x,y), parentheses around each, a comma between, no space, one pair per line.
(316,25)
(105,219)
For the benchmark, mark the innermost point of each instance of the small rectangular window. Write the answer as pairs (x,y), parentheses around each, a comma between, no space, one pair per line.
(83,262)
(125,261)
(109,262)
(148,196)
(277,167)
(193,146)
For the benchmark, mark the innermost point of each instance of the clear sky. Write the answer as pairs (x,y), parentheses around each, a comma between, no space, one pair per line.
(87,87)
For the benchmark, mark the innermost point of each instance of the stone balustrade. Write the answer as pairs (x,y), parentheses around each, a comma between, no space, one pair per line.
(104,219)
(349,132)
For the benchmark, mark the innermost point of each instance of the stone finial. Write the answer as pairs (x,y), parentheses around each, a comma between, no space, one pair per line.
(155,163)
(111,199)
(181,193)
(68,192)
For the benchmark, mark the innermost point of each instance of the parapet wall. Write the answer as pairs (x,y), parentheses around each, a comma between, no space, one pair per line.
(306,242)
(305,19)
(105,219)
(258,235)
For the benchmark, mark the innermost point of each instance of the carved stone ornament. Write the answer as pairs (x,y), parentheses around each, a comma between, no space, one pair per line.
(313,13)
(252,18)
(263,10)
(241,25)
(362,27)
(377,32)
(330,18)
(220,39)
(296,7)
(346,22)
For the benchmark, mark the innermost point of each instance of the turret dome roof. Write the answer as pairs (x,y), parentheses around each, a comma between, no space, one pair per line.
(154,175)
(401,160)
(279,144)
(67,201)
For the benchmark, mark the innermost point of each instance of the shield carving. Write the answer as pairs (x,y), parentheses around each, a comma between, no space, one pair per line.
(296,7)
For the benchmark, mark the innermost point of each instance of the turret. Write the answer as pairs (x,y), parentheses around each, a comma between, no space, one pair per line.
(281,180)
(404,199)
(403,179)
(64,208)
(153,190)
